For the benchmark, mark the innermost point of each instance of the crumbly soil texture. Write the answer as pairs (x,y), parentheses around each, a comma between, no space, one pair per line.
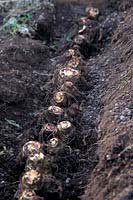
(95,163)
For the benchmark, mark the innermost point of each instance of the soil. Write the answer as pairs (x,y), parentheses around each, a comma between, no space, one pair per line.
(95,161)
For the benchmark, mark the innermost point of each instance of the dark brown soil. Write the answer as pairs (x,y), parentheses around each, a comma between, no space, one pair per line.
(95,162)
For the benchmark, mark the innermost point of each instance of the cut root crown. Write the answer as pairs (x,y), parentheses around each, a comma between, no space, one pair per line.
(74,62)
(69,73)
(64,125)
(31,178)
(27,195)
(55,110)
(53,142)
(36,157)
(35,161)
(92,12)
(71,52)
(67,86)
(59,97)
(30,148)
(49,128)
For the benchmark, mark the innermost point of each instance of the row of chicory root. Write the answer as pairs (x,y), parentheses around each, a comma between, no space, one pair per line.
(57,130)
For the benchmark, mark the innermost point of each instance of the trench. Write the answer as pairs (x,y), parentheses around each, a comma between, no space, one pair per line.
(72,166)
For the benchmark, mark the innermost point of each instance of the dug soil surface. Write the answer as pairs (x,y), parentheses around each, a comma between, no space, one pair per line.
(95,163)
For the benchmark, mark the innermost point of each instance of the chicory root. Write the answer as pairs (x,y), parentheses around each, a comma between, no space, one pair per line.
(60,98)
(54,145)
(35,162)
(31,147)
(47,130)
(29,195)
(31,179)
(54,113)
(68,73)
